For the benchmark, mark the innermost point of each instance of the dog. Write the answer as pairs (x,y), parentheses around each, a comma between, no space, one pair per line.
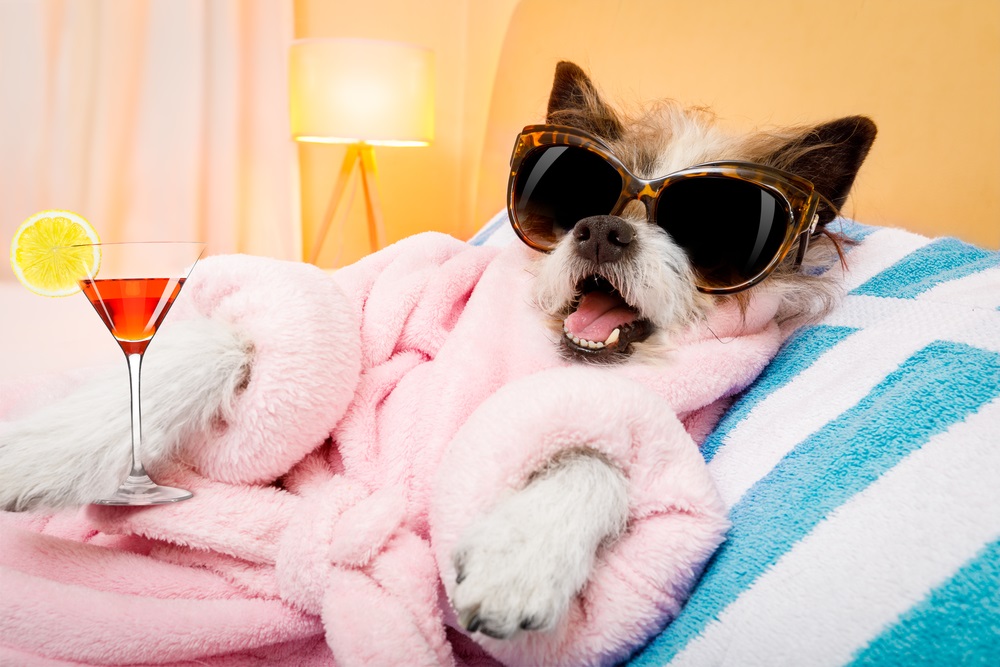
(638,229)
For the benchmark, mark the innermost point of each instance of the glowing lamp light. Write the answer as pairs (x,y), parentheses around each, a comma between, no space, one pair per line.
(365,93)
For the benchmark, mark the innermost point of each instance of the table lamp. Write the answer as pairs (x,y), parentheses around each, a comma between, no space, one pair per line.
(365,93)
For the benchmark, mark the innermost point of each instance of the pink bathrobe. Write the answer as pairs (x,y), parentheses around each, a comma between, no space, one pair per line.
(388,406)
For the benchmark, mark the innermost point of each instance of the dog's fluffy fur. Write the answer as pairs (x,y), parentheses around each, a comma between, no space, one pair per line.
(656,279)
(583,502)
(520,565)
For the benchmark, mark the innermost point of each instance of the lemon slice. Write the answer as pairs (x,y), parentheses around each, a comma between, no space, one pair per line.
(43,257)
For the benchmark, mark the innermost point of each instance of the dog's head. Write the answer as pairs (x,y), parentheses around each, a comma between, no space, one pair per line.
(620,275)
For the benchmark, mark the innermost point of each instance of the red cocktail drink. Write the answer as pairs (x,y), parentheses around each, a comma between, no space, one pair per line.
(132,308)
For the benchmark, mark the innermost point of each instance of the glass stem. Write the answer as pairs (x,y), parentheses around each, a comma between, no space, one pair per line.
(134,364)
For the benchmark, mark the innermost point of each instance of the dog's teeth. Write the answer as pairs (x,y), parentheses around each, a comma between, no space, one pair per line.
(613,338)
(583,342)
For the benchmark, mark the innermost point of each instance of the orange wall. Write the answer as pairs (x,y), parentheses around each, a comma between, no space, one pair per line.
(927,72)
(431,188)
(438,188)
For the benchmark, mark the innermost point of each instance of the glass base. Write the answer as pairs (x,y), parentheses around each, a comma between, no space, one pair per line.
(141,490)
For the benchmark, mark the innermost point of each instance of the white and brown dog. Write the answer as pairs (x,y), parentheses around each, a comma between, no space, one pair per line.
(648,222)
(645,226)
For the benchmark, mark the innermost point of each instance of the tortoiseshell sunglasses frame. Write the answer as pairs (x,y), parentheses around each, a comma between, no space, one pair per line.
(800,197)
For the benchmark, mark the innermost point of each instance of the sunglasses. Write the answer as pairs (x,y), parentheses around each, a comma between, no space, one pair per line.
(737,221)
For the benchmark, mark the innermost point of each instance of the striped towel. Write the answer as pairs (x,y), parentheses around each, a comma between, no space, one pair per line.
(862,470)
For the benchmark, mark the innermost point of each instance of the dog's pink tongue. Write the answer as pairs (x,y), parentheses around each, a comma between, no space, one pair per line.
(598,315)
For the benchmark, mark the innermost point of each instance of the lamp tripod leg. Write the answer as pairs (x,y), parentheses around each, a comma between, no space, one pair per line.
(369,179)
(351,158)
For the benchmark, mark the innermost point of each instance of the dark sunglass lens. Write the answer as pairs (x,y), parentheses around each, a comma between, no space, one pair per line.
(556,186)
(730,229)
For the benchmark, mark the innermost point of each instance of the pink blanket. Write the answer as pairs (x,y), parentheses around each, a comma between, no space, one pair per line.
(388,406)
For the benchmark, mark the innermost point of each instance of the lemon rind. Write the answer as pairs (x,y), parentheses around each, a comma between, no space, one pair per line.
(76,219)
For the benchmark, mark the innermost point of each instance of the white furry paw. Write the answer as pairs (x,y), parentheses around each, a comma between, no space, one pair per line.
(519,566)
(507,581)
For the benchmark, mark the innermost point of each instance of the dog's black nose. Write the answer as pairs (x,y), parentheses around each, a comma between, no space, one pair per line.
(602,238)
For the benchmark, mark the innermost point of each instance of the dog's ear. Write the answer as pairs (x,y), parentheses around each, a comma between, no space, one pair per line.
(574,101)
(829,155)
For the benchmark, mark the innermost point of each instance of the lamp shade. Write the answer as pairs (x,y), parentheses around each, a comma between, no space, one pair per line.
(367,90)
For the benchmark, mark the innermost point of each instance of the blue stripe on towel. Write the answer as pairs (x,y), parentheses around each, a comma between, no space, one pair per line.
(938,386)
(797,354)
(938,262)
(957,624)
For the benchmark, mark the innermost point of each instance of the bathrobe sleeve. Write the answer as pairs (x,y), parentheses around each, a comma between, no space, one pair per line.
(676,518)
(303,363)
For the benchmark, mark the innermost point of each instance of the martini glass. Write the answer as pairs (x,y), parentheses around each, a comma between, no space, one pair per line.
(132,290)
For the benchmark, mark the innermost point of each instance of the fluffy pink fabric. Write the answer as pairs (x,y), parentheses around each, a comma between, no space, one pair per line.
(440,390)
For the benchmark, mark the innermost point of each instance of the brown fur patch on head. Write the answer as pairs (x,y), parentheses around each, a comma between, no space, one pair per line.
(666,136)
(575,102)
(829,155)
(651,141)
(649,133)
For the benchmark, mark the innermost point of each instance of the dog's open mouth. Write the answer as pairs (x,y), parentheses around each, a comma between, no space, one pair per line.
(602,323)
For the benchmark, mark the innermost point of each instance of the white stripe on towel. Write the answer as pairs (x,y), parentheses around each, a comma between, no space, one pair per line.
(880,557)
(981,289)
(928,320)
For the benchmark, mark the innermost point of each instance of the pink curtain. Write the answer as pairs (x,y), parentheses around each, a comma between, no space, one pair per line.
(154,119)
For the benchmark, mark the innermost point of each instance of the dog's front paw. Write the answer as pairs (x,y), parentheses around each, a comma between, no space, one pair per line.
(509,578)
(519,566)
